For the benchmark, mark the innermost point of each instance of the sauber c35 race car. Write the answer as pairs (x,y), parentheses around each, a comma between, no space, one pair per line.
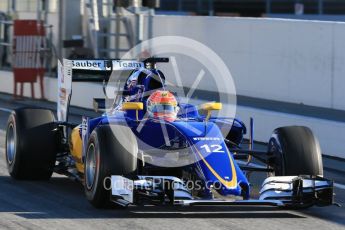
(127,156)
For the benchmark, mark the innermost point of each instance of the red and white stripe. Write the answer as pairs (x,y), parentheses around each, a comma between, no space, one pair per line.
(26,52)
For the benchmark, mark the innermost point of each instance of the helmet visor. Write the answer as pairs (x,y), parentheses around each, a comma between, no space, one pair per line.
(163,109)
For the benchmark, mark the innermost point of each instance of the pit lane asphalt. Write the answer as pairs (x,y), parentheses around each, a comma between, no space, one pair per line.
(60,204)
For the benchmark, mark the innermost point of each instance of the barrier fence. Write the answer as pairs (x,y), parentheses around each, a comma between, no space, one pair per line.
(28,63)
(25,45)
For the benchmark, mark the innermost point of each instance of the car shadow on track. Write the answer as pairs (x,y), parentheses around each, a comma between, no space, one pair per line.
(64,199)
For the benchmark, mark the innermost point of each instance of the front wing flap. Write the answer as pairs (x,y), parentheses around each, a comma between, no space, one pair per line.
(298,191)
(286,191)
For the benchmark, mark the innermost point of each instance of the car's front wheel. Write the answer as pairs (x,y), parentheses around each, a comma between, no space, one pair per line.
(106,156)
(296,151)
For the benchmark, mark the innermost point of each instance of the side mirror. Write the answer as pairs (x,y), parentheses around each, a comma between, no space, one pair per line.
(133,106)
(209,107)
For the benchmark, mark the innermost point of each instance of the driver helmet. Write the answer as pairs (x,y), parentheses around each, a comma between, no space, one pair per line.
(162,105)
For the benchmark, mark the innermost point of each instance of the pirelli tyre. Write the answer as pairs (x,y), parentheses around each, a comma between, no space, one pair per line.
(31,144)
(108,154)
(295,151)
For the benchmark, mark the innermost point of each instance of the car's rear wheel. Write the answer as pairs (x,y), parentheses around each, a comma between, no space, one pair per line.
(107,155)
(31,144)
(296,151)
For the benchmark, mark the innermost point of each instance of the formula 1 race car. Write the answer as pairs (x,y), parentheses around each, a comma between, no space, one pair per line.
(148,147)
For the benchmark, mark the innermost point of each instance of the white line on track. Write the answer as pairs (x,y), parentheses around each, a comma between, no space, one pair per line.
(6,110)
(202,213)
(341,186)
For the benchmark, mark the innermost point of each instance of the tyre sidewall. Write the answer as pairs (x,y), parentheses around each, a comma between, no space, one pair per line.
(15,164)
(296,152)
(35,144)
(97,193)
(111,159)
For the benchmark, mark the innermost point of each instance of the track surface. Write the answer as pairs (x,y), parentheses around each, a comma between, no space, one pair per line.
(60,204)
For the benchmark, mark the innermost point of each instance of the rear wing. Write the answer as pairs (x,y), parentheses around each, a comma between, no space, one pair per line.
(100,70)
(92,71)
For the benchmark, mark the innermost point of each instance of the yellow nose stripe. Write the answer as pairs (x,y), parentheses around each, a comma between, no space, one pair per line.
(228,184)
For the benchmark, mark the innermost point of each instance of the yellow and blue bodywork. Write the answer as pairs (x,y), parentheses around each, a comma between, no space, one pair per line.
(76,148)
(202,134)
(197,136)
(205,141)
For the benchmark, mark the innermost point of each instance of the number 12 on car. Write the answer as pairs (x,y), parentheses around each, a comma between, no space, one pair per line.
(213,148)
